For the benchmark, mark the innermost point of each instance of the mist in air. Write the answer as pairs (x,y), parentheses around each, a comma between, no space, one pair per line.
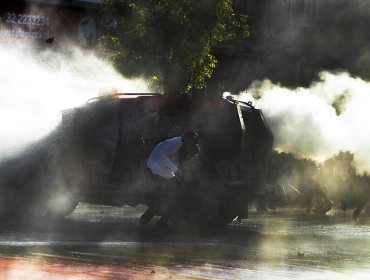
(35,85)
(318,121)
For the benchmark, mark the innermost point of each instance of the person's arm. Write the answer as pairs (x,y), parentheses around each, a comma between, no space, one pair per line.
(165,150)
(180,181)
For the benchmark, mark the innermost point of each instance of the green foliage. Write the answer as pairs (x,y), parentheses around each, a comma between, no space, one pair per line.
(169,41)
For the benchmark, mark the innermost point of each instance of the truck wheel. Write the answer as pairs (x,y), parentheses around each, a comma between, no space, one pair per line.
(225,215)
(24,208)
(59,205)
(57,199)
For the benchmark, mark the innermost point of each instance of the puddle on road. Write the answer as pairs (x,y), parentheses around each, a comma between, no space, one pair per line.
(269,246)
(338,226)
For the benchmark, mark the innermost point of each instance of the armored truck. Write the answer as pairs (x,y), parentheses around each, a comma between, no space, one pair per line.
(100,150)
(107,141)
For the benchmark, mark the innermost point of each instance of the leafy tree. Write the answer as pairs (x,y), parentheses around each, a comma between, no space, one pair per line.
(168,41)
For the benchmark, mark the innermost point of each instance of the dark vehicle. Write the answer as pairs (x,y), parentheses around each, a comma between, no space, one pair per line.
(103,146)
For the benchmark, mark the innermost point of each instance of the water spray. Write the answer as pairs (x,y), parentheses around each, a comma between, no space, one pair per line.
(35,85)
(319,121)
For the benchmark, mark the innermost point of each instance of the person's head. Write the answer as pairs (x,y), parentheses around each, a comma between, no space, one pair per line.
(191,138)
(190,145)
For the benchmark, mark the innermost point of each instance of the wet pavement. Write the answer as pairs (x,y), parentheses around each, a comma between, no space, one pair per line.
(100,242)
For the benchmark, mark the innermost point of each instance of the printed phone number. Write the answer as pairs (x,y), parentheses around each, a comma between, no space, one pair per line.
(25,19)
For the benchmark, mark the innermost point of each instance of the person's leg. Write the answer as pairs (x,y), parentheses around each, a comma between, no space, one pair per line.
(152,201)
(360,205)
(146,217)
(172,197)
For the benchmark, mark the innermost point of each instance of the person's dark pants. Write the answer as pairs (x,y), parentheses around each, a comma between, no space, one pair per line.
(169,193)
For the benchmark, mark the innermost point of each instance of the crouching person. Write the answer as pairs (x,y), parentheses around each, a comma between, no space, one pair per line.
(165,163)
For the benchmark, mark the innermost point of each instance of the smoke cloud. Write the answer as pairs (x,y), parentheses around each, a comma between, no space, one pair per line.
(318,121)
(35,85)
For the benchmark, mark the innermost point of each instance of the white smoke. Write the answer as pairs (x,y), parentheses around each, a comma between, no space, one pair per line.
(305,122)
(36,85)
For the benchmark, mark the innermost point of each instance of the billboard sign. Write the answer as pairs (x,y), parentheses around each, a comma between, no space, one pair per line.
(44,26)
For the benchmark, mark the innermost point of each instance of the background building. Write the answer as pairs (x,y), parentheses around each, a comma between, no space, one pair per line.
(57,24)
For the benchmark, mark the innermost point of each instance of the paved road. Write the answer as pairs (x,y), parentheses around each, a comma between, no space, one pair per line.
(97,242)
